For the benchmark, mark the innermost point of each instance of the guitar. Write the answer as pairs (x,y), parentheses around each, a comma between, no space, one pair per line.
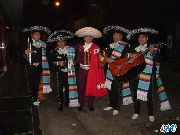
(126,69)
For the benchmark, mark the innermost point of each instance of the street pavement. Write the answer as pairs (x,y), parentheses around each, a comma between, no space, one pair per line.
(49,121)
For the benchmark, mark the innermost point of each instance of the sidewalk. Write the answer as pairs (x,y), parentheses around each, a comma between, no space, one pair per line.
(102,122)
(17,115)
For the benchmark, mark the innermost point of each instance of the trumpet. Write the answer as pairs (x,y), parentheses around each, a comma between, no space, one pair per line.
(29,55)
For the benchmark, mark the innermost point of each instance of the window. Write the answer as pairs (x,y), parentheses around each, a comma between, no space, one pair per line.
(111,3)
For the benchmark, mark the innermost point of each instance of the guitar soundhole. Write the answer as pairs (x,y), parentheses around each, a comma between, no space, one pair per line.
(118,67)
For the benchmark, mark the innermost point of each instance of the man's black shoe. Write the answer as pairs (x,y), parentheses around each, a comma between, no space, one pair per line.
(80,108)
(60,108)
(91,109)
(67,104)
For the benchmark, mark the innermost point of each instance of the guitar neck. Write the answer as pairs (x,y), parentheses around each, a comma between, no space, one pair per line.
(144,52)
(155,45)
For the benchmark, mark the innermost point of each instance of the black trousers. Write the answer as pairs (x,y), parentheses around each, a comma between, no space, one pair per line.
(33,77)
(115,94)
(63,83)
(137,102)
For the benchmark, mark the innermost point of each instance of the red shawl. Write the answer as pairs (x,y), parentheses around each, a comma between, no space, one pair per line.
(96,78)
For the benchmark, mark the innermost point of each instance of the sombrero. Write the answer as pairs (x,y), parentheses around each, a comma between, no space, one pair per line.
(141,31)
(41,29)
(88,31)
(60,35)
(111,29)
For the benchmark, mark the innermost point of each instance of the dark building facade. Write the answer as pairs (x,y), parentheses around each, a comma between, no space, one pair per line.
(10,18)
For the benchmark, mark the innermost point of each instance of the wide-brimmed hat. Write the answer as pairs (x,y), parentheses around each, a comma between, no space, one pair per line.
(60,35)
(141,31)
(88,31)
(41,29)
(111,29)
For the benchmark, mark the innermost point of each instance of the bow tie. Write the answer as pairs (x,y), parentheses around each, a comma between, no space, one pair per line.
(37,44)
(62,51)
(113,45)
(86,47)
(141,48)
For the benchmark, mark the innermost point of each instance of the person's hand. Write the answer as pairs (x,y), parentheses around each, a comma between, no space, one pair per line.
(61,63)
(109,60)
(132,56)
(56,48)
(70,62)
(27,51)
(151,49)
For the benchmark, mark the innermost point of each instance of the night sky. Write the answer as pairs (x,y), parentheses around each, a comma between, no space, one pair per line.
(37,13)
(128,13)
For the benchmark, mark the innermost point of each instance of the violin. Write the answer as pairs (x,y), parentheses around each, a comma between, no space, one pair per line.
(102,59)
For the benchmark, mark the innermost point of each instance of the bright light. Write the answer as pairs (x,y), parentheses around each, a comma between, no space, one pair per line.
(57,4)
(93,4)
(6,27)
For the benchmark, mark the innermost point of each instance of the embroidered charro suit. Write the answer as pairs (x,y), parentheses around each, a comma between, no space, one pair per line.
(116,51)
(34,69)
(140,84)
(66,77)
(62,74)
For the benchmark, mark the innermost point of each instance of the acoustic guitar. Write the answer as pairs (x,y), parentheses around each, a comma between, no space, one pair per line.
(126,69)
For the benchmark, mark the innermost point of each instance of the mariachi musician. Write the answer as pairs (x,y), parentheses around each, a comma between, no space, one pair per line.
(142,85)
(91,77)
(116,50)
(63,58)
(32,52)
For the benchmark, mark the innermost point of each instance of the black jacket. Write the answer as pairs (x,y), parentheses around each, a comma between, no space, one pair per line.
(36,55)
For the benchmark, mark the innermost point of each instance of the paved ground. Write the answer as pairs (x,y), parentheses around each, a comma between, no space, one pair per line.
(99,122)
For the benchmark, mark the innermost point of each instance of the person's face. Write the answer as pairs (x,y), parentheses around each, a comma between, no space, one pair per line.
(142,39)
(88,39)
(36,36)
(117,37)
(61,44)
